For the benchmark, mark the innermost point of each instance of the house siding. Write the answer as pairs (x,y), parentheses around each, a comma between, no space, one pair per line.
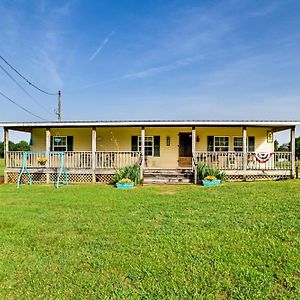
(119,139)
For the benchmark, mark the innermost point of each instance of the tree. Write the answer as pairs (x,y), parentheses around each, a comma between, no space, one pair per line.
(276,145)
(298,147)
(20,146)
(1,149)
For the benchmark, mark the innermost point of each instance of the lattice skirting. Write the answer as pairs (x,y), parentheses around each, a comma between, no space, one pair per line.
(74,178)
(235,178)
(12,177)
(267,177)
(104,178)
(258,177)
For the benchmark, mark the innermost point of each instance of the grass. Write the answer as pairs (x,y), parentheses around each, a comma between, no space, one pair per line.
(1,166)
(234,241)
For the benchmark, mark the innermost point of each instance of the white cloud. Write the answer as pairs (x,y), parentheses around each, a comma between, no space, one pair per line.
(160,69)
(101,46)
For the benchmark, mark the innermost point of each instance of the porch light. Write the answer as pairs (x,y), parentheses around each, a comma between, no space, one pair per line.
(168,141)
(270,137)
(197,139)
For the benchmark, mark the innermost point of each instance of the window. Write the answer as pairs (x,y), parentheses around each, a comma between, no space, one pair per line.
(152,145)
(221,143)
(149,145)
(238,143)
(59,143)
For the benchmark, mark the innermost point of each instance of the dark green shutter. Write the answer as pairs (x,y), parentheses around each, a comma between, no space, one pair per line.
(51,143)
(157,145)
(210,143)
(134,143)
(251,144)
(69,143)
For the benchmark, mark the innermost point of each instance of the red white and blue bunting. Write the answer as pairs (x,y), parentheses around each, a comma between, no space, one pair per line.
(263,157)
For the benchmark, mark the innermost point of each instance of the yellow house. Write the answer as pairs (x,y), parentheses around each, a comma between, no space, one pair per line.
(167,150)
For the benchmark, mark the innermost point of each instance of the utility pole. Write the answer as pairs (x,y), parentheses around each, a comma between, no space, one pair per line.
(59,107)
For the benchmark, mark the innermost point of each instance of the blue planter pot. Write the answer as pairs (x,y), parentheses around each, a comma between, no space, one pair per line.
(210,183)
(124,185)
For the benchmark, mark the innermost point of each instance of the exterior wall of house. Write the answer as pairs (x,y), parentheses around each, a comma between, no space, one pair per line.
(119,139)
(259,133)
(82,138)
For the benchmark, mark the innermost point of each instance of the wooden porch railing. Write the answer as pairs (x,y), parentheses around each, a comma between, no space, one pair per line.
(116,159)
(234,160)
(76,159)
(220,160)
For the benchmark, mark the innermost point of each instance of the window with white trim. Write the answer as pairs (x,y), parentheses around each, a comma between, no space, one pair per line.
(149,145)
(221,143)
(59,143)
(238,143)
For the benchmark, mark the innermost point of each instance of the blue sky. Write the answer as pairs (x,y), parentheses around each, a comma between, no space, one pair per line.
(153,59)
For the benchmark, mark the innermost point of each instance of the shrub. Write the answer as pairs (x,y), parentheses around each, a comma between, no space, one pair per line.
(204,171)
(129,172)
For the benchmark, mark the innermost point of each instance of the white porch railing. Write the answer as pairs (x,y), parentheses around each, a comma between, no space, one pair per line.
(277,161)
(116,159)
(76,159)
(220,160)
(234,160)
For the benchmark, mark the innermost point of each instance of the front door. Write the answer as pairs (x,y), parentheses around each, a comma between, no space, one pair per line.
(185,150)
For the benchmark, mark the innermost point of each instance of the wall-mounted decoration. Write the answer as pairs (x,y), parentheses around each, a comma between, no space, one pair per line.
(197,139)
(168,141)
(270,136)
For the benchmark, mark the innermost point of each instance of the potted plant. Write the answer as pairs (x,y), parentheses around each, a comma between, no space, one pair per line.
(209,176)
(210,180)
(42,161)
(125,183)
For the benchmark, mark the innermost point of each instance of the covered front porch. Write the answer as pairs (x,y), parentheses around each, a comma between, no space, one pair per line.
(98,151)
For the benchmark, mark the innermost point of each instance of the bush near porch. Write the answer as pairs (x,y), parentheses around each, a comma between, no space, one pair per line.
(235,241)
(1,166)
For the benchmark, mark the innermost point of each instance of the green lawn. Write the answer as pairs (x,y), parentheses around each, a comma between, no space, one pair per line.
(1,166)
(234,241)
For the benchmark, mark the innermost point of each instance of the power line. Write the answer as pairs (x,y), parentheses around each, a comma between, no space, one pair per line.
(23,77)
(20,106)
(16,82)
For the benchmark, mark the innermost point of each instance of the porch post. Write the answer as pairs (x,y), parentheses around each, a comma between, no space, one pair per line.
(193,153)
(143,151)
(6,150)
(48,147)
(94,149)
(245,156)
(293,150)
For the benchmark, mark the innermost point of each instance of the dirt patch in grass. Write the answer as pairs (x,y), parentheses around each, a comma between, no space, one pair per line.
(167,193)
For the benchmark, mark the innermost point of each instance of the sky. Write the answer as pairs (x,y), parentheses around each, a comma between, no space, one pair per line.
(141,60)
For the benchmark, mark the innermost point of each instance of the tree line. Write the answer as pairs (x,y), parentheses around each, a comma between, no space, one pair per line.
(287,147)
(20,146)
